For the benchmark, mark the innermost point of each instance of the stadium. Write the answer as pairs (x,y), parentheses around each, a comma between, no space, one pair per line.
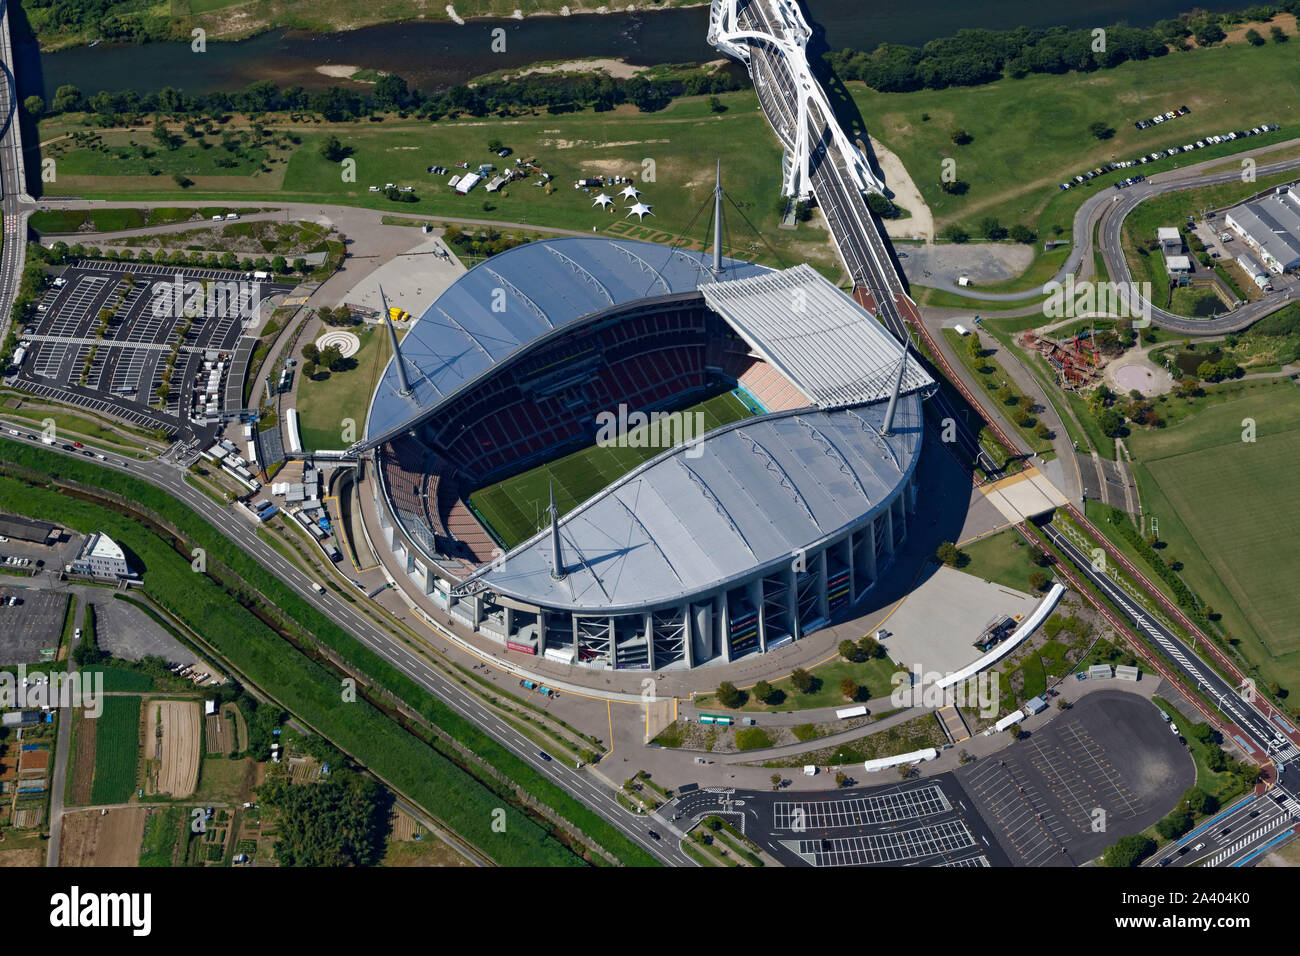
(776,514)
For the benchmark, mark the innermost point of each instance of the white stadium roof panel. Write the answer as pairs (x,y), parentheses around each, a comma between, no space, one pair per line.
(829,346)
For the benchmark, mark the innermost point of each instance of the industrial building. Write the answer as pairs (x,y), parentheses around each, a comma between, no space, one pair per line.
(1271,227)
(101,557)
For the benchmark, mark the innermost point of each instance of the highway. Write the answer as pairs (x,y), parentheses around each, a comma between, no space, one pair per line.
(14,203)
(242,530)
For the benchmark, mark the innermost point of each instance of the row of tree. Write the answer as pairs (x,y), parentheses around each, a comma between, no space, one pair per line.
(973,57)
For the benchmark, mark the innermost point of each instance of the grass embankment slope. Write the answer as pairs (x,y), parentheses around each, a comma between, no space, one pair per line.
(305,687)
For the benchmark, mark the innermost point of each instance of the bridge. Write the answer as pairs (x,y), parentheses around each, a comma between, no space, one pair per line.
(15,204)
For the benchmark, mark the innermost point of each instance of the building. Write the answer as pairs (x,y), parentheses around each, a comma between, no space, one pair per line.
(745,537)
(1179,268)
(1271,227)
(25,529)
(1256,272)
(1170,239)
(101,557)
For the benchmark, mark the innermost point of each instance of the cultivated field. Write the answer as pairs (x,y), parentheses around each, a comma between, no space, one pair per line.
(117,750)
(111,839)
(81,771)
(512,507)
(174,737)
(1225,508)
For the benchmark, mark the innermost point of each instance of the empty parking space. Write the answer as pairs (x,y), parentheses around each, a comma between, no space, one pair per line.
(859,811)
(32,626)
(896,847)
(152,312)
(1106,768)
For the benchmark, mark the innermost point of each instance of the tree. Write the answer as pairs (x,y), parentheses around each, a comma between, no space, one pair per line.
(1128,851)
(762,690)
(948,554)
(1100,130)
(870,647)
(334,150)
(716,105)
(961,137)
(882,206)
(802,680)
(1037,580)
(1037,556)
(992,229)
(849,688)
(1174,825)
(1109,422)
(954,233)
(1022,233)
(850,652)
(776,781)
(1278,34)
(34,105)
(66,99)
(310,352)
(729,696)
(1253,38)
(279,266)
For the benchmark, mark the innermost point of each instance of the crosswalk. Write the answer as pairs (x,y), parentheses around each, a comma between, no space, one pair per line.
(1250,839)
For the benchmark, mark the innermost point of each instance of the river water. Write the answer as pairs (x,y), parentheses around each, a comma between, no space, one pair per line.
(435,55)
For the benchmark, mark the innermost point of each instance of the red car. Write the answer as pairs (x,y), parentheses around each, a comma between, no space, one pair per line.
(77,444)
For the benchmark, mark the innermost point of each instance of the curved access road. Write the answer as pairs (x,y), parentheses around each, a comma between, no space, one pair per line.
(1110,207)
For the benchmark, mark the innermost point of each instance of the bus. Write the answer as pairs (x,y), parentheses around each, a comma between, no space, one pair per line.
(716,719)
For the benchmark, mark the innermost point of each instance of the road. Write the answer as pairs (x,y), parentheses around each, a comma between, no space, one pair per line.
(242,531)
(15,205)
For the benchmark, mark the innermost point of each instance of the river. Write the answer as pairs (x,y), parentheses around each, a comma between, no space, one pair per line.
(439,54)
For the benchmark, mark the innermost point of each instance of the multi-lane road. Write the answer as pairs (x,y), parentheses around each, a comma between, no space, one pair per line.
(15,205)
(583,786)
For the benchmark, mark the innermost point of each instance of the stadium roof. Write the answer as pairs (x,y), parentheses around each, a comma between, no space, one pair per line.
(713,510)
(502,305)
(829,346)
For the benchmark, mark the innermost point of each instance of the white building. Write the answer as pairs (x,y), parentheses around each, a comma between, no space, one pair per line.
(1271,227)
(101,557)
(1171,240)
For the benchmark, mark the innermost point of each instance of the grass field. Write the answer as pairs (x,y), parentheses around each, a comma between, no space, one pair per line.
(1031,134)
(513,508)
(1002,558)
(161,833)
(1225,509)
(670,152)
(117,750)
(325,403)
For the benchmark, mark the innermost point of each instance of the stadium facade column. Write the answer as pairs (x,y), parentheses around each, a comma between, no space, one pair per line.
(823,588)
(722,623)
(755,594)
(688,635)
(613,643)
(889,531)
(649,630)
(870,555)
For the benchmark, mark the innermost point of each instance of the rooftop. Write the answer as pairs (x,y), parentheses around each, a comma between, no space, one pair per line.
(742,497)
(1274,223)
(503,305)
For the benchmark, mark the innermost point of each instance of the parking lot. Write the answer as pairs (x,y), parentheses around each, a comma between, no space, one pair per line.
(35,624)
(1107,768)
(128,633)
(118,372)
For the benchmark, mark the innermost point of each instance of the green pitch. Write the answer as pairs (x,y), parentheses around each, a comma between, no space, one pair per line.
(514,509)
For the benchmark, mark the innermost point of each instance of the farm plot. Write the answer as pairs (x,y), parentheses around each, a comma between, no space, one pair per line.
(82,771)
(94,839)
(117,750)
(173,740)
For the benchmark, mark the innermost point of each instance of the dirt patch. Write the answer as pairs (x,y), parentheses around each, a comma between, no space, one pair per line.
(899,181)
(83,760)
(404,827)
(174,737)
(31,856)
(109,839)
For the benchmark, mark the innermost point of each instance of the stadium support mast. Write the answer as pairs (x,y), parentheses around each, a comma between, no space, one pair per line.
(717,222)
(888,427)
(557,565)
(404,386)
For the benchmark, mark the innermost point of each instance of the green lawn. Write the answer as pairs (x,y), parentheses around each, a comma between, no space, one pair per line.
(117,750)
(671,153)
(874,676)
(1002,558)
(1225,509)
(513,508)
(1031,134)
(324,404)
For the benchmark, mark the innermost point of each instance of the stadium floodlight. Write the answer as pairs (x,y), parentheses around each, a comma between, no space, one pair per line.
(717,222)
(557,563)
(888,427)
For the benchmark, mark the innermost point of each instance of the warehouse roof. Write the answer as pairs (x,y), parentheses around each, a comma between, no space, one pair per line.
(1274,223)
